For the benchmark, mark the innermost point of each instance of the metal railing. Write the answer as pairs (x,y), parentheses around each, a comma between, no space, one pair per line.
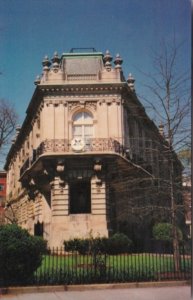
(61,268)
(64,146)
(93,145)
(146,155)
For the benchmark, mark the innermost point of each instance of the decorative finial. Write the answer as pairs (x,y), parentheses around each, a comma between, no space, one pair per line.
(46,63)
(161,129)
(107,60)
(107,56)
(55,58)
(118,62)
(55,62)
(18,128)
(131,81)
(37,80)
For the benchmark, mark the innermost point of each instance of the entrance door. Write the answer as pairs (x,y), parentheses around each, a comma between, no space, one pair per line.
(80,197)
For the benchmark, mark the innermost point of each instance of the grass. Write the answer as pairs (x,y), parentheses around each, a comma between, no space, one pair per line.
(107,268)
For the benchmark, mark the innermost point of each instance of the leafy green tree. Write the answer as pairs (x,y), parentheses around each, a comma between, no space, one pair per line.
(164,232)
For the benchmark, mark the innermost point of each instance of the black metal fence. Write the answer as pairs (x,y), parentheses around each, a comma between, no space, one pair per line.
(61,268)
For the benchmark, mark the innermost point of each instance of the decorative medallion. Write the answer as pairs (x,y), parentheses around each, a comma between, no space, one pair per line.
(77,144)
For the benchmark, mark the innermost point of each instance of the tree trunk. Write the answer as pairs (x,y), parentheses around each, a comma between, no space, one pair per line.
(176,250)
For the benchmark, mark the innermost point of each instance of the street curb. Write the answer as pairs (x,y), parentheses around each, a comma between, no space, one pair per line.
(88,287)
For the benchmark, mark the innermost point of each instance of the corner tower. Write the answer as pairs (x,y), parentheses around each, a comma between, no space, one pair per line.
(77,148)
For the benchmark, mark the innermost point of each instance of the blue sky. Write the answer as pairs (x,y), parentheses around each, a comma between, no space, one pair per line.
(29,29)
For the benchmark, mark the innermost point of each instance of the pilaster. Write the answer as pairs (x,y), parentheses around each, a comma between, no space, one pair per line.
(59,198)
(98,196)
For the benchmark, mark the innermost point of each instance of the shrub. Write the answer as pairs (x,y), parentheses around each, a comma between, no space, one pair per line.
(78,245)
(164,232)
(119,243)
(85,246)
(99,245)
(20,254)
(72,245)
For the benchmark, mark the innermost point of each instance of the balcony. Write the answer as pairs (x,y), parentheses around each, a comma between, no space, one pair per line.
(64,146)
(141,156)
(90,145)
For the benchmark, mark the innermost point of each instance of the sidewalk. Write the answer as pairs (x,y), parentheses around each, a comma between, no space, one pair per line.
(142,291)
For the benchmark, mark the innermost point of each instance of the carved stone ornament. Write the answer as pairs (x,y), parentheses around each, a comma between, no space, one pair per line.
(97,167)
(92,105)
(72,105)
(82,104)
(62,183)
(60,168)
(77,144)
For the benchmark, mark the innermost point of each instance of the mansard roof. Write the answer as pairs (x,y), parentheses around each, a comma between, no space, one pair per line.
(82,63)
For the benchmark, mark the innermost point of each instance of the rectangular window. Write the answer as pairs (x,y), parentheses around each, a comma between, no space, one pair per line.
(80,197)
(1,187)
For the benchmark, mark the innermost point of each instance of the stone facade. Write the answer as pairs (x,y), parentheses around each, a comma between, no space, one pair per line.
(2,195)
(83,151)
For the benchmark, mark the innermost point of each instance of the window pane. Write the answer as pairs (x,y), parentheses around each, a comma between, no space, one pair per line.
(77,131)
(82,117)
(88,130)
(87,116)
(78,117)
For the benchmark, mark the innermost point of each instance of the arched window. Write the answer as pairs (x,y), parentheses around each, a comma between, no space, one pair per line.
(82,125)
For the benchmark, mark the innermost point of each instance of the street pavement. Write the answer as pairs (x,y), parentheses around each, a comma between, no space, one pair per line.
(147,293)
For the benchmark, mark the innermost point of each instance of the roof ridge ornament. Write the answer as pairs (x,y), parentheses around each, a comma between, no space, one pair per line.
(161,129)
(37,80)
(130,81)
(107,60)
(46,63)
(55,62)
(118,62)
(46,67)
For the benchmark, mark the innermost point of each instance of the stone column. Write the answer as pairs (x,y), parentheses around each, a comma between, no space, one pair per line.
(98,196)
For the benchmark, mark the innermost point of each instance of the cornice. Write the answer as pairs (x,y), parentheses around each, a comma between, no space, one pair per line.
(31,114)
(82,88)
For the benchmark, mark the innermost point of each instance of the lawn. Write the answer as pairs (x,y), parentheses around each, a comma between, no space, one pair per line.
(110,268)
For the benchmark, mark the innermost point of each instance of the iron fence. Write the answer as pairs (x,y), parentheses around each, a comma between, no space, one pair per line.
(72,268)
(61,268)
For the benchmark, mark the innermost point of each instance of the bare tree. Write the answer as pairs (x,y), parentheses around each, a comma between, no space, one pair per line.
(9,214)
(8,121)
(170,88)
(170,101)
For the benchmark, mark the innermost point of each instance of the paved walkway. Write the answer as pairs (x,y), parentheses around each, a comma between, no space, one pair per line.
(148,293)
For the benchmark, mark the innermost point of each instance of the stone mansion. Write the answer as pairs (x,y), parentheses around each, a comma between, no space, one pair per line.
(86,154)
